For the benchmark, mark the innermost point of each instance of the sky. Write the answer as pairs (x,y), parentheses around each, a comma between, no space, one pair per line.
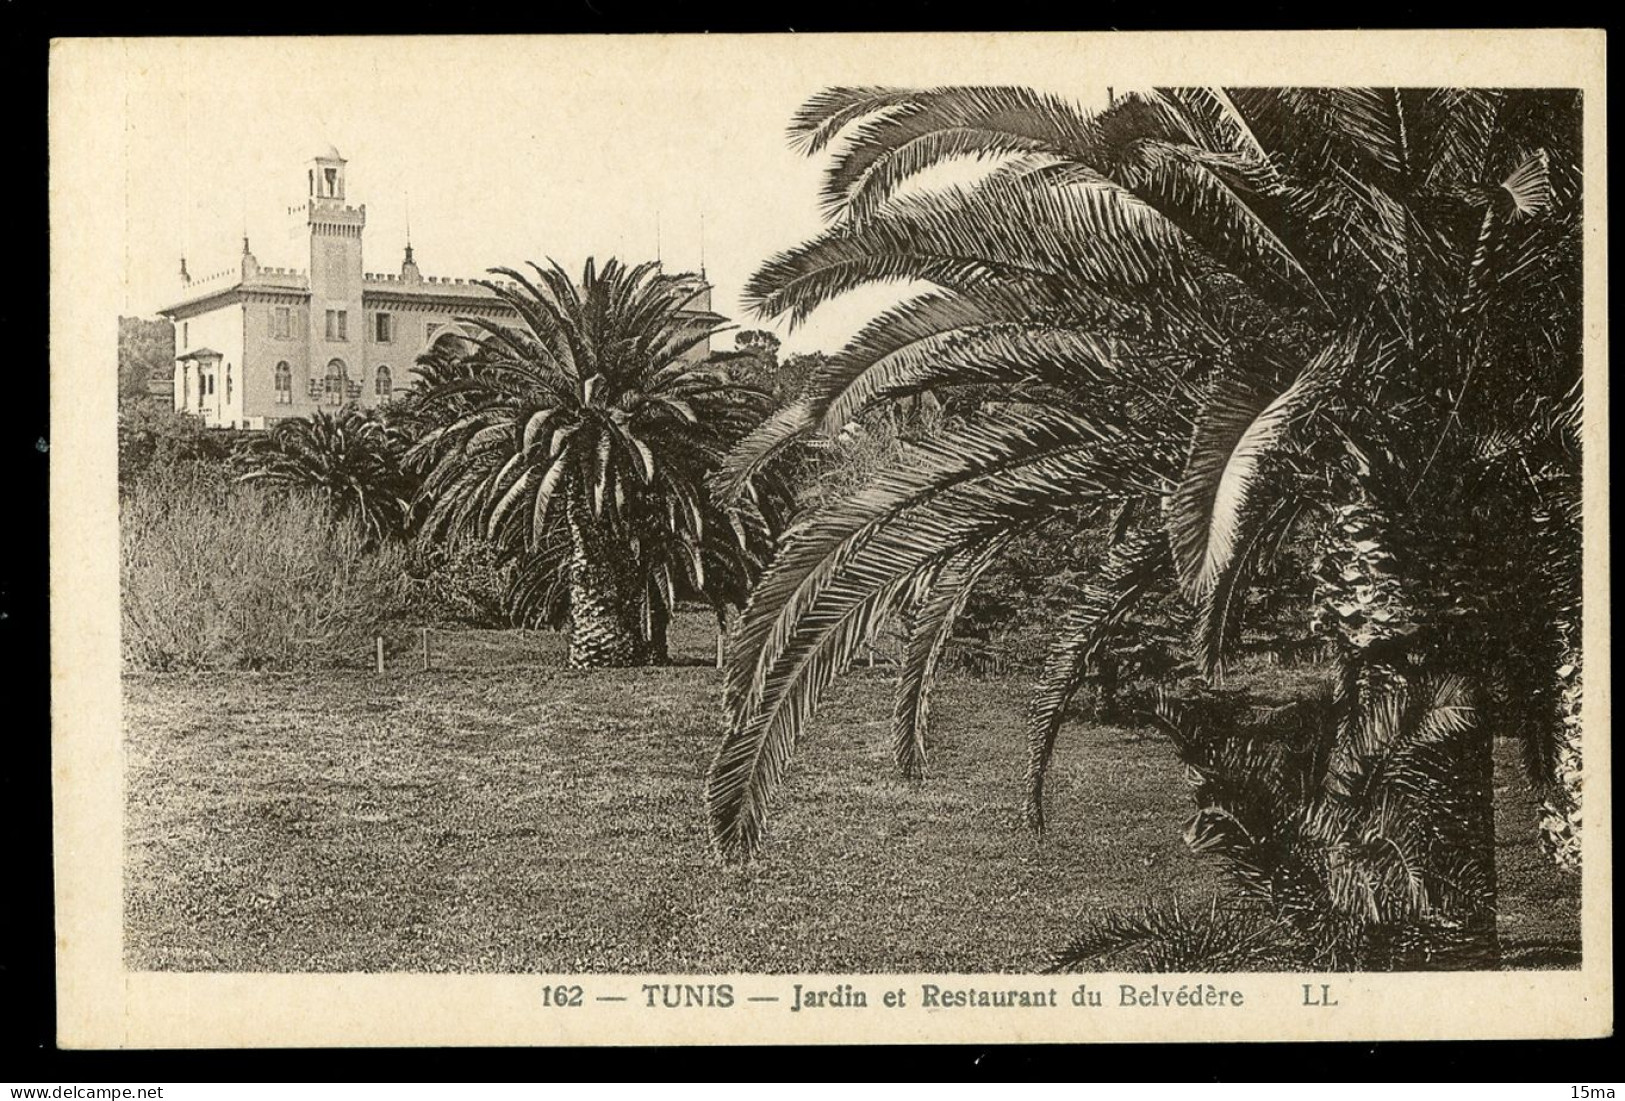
(506,151)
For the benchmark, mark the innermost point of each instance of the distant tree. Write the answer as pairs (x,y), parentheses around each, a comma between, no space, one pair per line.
(793,372)
(146,354)
(759,340)
(752,361)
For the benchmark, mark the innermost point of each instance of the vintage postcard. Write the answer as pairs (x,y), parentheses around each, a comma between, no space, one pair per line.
(826,539)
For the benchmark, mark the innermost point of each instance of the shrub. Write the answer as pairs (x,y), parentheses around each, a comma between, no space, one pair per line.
(222,576)
(1353,839)
(831,469)
(1162,936)
(1008,622)
(463,582)
(348,460)
(154,439)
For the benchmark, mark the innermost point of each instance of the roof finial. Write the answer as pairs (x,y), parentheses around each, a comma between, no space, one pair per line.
(186,276)
(702,244)
(408,225)
(657,237)
(186,177)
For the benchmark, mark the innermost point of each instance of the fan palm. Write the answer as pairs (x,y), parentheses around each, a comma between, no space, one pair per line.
(1220,315)
(348,459)
(579,439)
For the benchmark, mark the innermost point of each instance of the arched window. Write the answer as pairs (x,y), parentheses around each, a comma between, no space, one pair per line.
(382,384)
(228,384)
(335,382)
(284,383)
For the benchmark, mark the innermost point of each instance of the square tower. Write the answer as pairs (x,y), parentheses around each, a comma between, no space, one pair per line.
(337,324)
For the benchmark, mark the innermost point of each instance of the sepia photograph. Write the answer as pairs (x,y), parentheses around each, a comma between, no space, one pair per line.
(694,527)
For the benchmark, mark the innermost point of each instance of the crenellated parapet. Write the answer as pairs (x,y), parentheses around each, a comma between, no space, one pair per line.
(331,212)
(287,278)
(412,283)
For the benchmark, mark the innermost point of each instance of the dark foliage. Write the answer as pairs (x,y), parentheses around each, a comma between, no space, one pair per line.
(1340,320)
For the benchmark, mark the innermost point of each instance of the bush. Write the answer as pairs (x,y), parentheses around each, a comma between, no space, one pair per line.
(463,583)
(153,440)
(834,469)
(1161,936)
(222,576)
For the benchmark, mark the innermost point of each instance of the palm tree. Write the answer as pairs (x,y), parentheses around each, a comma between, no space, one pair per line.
(579,439)
(1216,317)
(348,459)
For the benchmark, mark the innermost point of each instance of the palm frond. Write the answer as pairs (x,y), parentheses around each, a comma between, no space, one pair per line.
(820,120)
(1240,427)
(764,443)
(839,569)
(895,331)
(932,625)
(1216,624)
(1192,191)
(859,197)
(885,147)
(1089,235)
(1162,936)
(1133,567)
(1530,185)
(1001,353)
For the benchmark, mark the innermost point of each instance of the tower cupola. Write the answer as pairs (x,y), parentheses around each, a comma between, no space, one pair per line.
(325,178)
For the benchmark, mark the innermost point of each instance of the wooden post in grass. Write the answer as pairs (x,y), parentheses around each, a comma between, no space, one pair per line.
(425,649)
(380,641)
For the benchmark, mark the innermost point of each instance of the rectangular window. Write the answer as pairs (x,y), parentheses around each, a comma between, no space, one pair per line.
(281,322)
(344,331)
(338,325)
(382,331)
(186,334)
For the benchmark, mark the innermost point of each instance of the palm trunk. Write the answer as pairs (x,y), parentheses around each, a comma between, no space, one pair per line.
(600,635)
(1561,810)
(1482,951)
(1380,607)
(655,650)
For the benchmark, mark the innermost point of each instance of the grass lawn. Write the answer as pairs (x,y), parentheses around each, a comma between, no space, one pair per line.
(500,813)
